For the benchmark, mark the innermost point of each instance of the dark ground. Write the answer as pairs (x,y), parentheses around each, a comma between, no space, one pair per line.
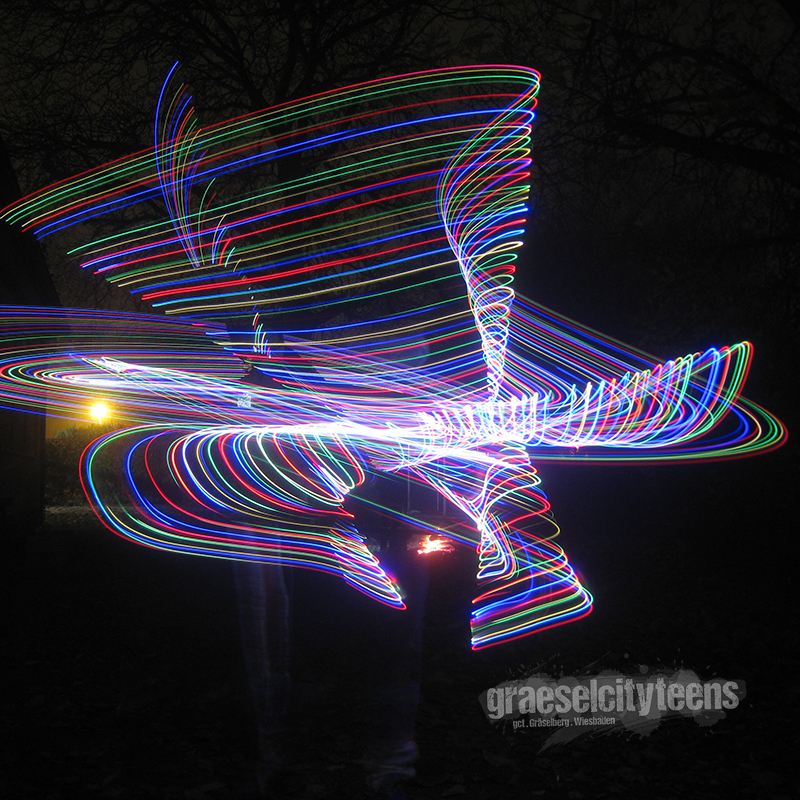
(125,678)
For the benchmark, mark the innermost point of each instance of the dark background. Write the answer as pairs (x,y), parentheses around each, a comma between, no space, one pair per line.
(664,212)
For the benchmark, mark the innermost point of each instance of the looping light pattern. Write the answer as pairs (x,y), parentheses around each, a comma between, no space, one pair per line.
(358,248)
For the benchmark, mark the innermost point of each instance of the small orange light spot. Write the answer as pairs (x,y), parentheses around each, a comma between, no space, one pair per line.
(435,544)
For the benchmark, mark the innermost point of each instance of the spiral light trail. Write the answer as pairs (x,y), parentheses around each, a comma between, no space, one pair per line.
(357,247)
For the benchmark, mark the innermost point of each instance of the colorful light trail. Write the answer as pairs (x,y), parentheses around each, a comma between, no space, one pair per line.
(357,247)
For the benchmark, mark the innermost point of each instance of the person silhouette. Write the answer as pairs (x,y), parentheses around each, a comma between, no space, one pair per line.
(264,595)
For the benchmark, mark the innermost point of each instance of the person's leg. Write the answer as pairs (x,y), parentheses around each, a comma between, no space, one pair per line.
(263,601)
(396,662)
